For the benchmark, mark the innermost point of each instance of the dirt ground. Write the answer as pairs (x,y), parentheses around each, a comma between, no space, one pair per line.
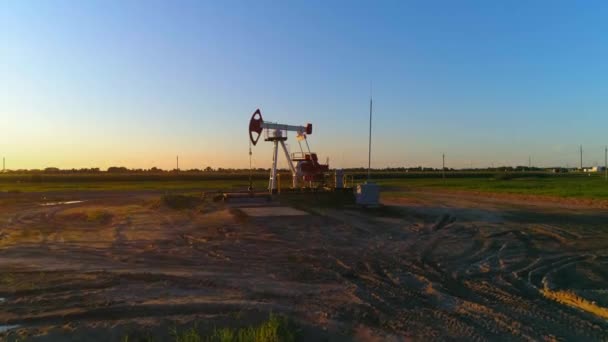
(428,266)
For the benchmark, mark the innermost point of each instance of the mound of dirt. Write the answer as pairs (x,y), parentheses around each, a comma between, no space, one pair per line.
(180,201)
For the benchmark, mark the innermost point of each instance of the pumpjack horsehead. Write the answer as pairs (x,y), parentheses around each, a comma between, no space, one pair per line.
(307,169)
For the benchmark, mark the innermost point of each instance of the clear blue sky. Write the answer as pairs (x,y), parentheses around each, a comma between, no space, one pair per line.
(133,83)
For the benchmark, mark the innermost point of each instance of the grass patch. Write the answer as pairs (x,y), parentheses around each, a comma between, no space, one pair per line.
(567,185)
(274,329)
(571,299)
(573,184)
(126,185)
(19,281)
(99,216)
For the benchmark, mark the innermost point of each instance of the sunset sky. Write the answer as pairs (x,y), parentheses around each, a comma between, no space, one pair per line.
(135,83)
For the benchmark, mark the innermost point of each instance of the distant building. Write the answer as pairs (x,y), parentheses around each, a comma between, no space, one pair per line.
(595,169)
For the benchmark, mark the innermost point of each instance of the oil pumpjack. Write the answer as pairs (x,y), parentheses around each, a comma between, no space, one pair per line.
(307,170)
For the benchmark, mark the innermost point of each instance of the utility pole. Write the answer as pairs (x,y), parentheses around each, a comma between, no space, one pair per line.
(177,163)
(443,166)
(581,157)
(529,162)
(606,163)
(3,164)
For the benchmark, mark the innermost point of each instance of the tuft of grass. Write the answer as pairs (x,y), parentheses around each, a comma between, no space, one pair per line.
(7,279)
(146,338)
(99,216)
(274,329)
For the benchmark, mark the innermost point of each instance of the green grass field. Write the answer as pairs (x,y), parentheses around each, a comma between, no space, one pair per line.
(574,185)
(128,185)
(561,185)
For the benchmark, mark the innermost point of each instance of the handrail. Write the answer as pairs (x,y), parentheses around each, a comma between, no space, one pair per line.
(298,155)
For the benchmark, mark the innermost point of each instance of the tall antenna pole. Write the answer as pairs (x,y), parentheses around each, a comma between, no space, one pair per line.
(529,162)
(606,163)
(443,165)
(177,163)
(369,157)
(581,157)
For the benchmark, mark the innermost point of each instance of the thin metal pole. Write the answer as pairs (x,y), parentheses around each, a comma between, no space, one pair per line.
(294,182)
(307,146)
(443,166)
(272,185)
(606,163)
(581,157)
(369,157)
(250,170)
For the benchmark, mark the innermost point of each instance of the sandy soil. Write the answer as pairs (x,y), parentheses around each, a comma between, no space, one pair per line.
(431,265)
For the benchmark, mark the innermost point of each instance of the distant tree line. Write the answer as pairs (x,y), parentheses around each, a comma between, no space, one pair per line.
(208,169)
